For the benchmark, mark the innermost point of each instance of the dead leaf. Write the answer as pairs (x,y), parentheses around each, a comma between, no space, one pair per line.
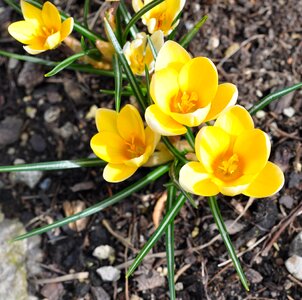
(158,209)
(146,282)
(71,208)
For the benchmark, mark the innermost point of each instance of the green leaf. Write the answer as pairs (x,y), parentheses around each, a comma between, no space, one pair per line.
(174,174)
(65,63)
(132,80)
(190,137)
(112,92)
(169,217)
(185,40)
(75,67)
(118,82)
(139,14)
(272,97)
(147,75)
(173,150)
(151,177)
(226,239)
(86,12)
(170,244)
(55,165)
(127,17)
(152,47)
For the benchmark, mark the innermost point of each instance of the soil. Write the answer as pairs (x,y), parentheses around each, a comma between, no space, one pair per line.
(256,45)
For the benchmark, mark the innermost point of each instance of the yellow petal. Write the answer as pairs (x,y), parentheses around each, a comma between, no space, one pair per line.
(33,51)
(51,17)
(253,149)
(130,124)
(235,120)
(109,147)
(225,97)
(137,161)
(66,28)
(137,5)
(162,123)
(117,172)
(171,55)
(106,120)
(53,40)
(232,190)
(210,144)
(194,179)
(31,13)
(192,119)
(22,31)
(164,87)
(152,139)
(268,182)
(199,75)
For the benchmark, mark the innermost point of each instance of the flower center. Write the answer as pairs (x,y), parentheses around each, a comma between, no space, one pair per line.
(228,169)
(184,102)
(134,148)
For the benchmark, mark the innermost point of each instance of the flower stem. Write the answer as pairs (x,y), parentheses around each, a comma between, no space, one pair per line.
(173,150)
(226,239)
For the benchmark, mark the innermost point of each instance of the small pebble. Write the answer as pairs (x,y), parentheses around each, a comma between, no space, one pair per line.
(109,273)
(289,112)
(52,114)
(294,266)
(296,245)
(104,252)
(260,114)
(287,201)
(31,112)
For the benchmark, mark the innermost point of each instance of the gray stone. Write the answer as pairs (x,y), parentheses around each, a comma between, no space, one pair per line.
(294,266)
(66,131)
(109,273)
(287,201)
(52,114)
(30,178)
(10,129)
(99,293)
(12,262)
(295,247)
(104,252)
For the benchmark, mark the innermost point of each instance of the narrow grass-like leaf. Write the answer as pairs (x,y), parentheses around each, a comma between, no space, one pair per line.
(132,80)
(169,217)
(174,171)
(226,239)
(112,92)
(77,26)
(152,47)
(64,64)
(127,17)
(86,12)
(190,137)
(151,177)
(170,244)
(147,76)
(118,82)
(14,5)
(118,24)
(139,14)
(173,150)
(55,165)
(185,40)
(75,67)
(273,96)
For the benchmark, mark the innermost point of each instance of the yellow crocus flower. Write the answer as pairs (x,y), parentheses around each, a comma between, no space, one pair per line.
(232,159)
(42,29)
(185,91)
(139,54)
(162,16)
(122,141)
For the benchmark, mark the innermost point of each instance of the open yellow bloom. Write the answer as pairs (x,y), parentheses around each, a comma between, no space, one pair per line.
(122,141)
(233,159)
(185,91)
(162,16)
(139,54)
(42,29)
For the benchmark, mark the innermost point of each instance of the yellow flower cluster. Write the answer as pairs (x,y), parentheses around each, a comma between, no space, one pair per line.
(232,156)
(42,29)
